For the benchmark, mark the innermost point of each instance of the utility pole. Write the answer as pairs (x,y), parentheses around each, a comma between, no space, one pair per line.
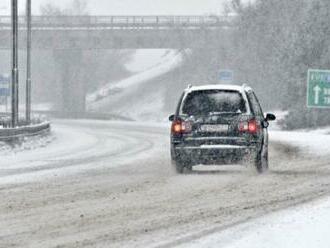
(28,62)
(14,77)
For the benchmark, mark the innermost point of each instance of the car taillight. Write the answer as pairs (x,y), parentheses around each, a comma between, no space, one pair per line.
(253,126)
(180,127)
(250,126)
(176,127)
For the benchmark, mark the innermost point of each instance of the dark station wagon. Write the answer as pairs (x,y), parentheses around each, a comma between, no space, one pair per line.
(219,124)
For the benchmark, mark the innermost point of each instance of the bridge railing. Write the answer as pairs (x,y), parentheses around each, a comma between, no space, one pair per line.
(121,21)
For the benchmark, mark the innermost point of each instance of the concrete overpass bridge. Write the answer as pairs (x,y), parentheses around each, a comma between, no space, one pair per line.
(119,32)
(68,36)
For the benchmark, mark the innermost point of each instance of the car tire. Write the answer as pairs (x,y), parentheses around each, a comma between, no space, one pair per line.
(261,161)
(181,166)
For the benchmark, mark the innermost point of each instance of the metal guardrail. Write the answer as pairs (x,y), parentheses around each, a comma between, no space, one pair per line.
(83,115)
(8,134)
(46,22)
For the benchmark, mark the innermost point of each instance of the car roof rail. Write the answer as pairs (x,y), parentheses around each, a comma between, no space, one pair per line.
(246,87)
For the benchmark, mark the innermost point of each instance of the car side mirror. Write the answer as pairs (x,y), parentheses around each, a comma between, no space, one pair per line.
(270,117)
(171,117)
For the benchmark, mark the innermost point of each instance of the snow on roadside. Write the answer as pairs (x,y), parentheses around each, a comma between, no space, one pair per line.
(27,144)
(304,226)
(312,142)
(309,141)
(64,142)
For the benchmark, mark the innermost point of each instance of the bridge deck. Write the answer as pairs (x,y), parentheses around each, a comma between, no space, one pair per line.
(120,22)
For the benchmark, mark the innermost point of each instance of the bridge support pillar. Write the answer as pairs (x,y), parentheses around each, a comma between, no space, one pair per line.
(73,85)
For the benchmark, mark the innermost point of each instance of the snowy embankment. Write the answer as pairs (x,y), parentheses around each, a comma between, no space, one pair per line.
(310,142)
(302,226)
(132,96)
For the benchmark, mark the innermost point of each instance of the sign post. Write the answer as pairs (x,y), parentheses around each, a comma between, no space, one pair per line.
(318,89)
(28,63)
(14,81)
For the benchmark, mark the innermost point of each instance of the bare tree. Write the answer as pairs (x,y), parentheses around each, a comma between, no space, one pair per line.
(78,7)
(75,7)
(50,9)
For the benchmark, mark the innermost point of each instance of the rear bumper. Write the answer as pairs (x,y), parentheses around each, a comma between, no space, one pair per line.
(213,154)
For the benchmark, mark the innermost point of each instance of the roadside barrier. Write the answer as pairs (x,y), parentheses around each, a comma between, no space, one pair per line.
(9,134)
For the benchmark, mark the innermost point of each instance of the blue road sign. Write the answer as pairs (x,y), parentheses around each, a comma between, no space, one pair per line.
(4,92)
(226,75)
(4,85)
(4,79)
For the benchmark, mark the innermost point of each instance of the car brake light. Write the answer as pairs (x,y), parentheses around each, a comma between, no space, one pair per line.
(180,127)
(176,127)
(253,126)
(249,126)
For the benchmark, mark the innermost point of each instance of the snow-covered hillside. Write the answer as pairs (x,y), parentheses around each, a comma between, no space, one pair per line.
(139,96)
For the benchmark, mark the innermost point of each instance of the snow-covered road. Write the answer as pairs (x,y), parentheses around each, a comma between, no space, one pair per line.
(78,146)
(110,184)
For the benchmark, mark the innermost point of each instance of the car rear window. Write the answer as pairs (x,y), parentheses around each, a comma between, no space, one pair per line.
(213,101)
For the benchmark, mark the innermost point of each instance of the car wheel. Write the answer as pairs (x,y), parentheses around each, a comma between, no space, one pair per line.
(189,168)
(181,166)
(261,161)
(178,165)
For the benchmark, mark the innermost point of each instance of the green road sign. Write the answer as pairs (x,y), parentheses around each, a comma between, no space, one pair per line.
(318,89)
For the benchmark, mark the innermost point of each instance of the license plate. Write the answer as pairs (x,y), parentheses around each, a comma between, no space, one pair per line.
(214,128)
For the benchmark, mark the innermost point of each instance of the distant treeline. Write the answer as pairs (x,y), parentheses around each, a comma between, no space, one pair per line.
(276,42)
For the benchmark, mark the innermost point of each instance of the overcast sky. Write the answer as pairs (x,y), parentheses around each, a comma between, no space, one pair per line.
(132,7)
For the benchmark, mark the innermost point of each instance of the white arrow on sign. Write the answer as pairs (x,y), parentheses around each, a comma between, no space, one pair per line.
(317,91)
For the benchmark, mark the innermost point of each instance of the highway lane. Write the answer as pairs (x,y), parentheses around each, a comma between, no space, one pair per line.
(78,146)
(110,184)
